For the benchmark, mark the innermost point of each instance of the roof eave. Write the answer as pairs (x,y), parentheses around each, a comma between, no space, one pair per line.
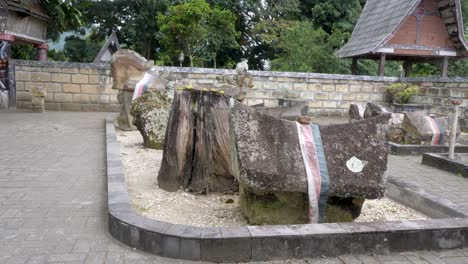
(461,29)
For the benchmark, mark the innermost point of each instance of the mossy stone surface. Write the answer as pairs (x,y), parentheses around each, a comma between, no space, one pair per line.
(286,208)
(150,115)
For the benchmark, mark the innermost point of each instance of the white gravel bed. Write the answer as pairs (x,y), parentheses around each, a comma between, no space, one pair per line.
(141,166)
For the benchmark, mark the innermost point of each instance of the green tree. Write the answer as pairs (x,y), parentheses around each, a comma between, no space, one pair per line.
(132,20)
(77,49)
(306,49)
(253,19)
(65,15)
(333,15)
(185,28)
(222,33)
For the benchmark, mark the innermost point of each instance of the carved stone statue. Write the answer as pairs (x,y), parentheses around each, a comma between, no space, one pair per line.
(127,68)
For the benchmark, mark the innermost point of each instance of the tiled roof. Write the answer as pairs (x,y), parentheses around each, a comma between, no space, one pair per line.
(379,19)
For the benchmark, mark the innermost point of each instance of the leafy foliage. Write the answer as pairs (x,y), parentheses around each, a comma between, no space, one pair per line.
(65,15)
(185,29)
(134,21)
(77,49)
(402,92)
(222,33)
(306,49)
(198,31)
(334,15)
(286,35)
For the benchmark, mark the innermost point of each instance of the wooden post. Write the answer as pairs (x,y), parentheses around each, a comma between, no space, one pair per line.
(444,69)
(382,65)
(407,67)
(354,66)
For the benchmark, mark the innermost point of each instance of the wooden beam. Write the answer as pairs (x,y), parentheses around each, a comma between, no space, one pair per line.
(382,64)
(444,68)
(407,67)
(354,66)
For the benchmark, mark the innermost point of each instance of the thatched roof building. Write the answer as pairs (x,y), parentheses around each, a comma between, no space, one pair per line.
(408,30)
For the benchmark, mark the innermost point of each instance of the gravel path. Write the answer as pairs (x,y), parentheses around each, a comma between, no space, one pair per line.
(141,167)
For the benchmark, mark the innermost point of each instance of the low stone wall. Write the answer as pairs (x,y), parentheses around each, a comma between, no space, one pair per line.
(328,94)
(83,87)
(87,87)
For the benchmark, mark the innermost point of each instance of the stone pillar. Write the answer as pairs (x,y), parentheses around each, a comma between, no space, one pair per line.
(124,119)
(38,92)
(42,50)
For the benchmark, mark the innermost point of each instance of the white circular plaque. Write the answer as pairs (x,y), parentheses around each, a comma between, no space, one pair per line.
(355,165)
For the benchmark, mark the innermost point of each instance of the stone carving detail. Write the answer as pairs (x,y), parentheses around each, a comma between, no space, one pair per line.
(127,68)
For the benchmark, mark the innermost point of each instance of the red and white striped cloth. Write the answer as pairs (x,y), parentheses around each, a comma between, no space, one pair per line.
(142,85)
(436,134)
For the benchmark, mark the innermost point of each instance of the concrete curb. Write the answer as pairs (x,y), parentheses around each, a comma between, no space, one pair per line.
(444,163)
(418,199)
(416,150)
(266,243)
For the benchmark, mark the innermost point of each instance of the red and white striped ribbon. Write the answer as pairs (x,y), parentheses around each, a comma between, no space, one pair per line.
(309,154)
(142,85)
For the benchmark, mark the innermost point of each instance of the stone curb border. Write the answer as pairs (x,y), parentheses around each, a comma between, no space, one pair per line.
(416,198)
(265,243)
(444,163)
(416,150)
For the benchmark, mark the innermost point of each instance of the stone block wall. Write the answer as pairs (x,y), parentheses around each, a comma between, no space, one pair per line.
(88,87)
(328,94)
(83,87)
(437,92)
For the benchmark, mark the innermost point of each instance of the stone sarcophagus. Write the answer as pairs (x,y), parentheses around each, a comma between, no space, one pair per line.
(286,172)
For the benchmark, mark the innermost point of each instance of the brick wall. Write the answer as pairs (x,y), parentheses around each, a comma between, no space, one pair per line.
(69,86)
(87,87)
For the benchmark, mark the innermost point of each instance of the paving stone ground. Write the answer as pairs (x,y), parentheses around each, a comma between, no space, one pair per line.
(53,196)
(437,182)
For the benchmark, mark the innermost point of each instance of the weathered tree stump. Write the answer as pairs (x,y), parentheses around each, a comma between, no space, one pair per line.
(198,145)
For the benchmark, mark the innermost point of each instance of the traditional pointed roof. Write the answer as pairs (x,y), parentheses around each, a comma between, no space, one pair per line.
(111,46)
(381,19)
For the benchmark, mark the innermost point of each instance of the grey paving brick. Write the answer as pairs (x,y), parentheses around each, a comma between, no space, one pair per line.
(455,260)
(67,257)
